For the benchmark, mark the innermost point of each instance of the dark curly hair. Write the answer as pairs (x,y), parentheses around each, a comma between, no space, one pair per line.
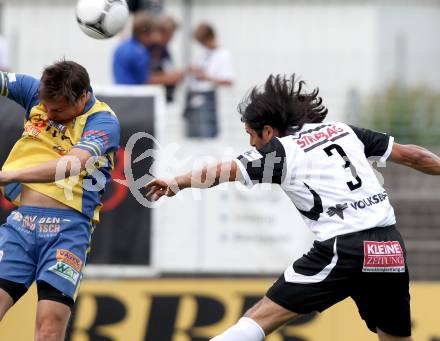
(281,104)
(64,79)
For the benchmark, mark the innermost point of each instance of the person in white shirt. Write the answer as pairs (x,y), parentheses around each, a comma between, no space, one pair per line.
(211,69)
(323,168)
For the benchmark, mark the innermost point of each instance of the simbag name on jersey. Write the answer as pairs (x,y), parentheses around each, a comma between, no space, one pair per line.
(312,138)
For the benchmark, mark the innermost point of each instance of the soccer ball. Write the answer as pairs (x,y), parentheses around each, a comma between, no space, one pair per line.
(101,19)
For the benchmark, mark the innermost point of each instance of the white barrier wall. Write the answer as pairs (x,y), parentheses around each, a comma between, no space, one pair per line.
(227,229)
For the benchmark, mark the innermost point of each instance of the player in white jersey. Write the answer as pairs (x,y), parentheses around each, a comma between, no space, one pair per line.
(324,169)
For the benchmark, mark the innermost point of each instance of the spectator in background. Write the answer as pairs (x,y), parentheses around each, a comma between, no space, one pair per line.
(161,60)
(132,59)
(213,68)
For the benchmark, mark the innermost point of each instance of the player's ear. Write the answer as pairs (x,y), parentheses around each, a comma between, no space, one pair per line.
(269,132)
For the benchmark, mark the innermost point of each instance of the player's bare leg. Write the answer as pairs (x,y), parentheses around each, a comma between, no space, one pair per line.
(269,315)
(52,319)
(387,337)
(260,320)
(6,303)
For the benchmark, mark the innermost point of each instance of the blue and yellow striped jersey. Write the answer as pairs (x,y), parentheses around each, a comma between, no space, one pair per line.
(96,130)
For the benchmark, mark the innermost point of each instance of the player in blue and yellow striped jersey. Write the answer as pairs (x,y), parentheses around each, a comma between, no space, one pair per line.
(56,174)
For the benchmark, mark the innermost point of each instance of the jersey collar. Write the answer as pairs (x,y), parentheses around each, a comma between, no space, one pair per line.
(90,102)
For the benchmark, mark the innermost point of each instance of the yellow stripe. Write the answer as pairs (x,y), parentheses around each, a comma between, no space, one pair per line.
(86,256)
(91,144)
(90,148)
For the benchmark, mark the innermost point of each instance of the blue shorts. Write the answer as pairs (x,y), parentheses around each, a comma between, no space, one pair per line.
(45,244)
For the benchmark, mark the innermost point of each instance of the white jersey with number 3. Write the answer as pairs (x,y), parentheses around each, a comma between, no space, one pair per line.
(325,170)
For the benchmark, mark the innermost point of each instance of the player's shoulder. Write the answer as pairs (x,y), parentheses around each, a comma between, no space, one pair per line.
(21,88)
(363,132)
(100,112)
(24,80)
(101,108)
(103,115)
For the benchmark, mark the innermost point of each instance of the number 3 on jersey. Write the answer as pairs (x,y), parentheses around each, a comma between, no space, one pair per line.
(351,185)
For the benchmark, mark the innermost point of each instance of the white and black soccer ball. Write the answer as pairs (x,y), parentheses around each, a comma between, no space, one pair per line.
(101,19)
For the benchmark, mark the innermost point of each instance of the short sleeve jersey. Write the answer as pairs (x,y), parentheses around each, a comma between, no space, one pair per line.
(131,63)
(325,171)
(96,130)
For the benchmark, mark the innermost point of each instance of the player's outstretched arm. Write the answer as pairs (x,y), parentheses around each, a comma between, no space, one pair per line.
(416,157)
(69,165)
(206,177)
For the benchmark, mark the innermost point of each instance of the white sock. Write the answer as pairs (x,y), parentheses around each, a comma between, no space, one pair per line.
(245,329)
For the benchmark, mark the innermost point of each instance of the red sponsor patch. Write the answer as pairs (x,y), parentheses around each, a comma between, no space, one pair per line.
(69,258)
(30,129)
(383,257)
(38,121)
